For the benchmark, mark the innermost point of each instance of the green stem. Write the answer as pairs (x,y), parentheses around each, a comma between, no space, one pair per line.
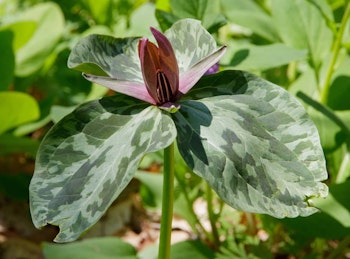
(167,204)
(212,217)
(336,48)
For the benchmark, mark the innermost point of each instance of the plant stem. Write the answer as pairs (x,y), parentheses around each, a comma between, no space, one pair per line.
(336,48)
(212,217)
(167,204)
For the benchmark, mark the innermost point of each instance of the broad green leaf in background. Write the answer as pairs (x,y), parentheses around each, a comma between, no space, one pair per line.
(191,249)
(248,14)
(99,248)
(12,144)
(7,60)
(302,25)
(208,11)
(138,26)
(257,148)
(259,58)
(163,5)
(89,157)
(32,55)
(17,108)
(22,32)
(101,10)
(151,189)
(165,19)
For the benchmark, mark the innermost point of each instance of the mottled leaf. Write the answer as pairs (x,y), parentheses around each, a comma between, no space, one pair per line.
(191,42)
(255,144)
(101,55)
(89,157)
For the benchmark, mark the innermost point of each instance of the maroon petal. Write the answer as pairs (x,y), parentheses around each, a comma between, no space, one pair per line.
(134,89)
(150,64)
(168,62)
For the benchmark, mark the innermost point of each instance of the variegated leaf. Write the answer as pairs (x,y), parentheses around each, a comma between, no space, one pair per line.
(253,143)
(89,157)
(191,42)
(101,55)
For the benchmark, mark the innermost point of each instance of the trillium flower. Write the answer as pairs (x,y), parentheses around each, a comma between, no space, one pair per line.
(168,70)
(249,139)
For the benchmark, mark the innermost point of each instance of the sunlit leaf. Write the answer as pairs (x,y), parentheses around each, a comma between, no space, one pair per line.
(22,31)
(302,25)
(89,157)
(265,57)
(101,10)
(248,14)
(256,146)
(17,108)
(208,11)
(32,55)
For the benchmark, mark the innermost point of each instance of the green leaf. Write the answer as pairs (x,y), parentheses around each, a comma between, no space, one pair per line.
(151,189)
(248,14)
(89,157)
(101,248)
(101,10)
(338,97)
(165,19)
(7,60)
(253,143)
(302,25)
(260,58)
(191,249)
(16,108)
(101,55)
(208,11)
(191,42)
(12,144)
(32,55)
(22,30)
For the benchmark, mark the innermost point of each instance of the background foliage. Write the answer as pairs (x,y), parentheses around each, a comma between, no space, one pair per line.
(302,45)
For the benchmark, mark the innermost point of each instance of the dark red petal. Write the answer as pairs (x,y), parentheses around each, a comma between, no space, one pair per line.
(150,64)
(168,62)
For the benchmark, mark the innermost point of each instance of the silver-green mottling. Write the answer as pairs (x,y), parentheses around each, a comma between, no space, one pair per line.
(89,157)
(119,59)
(191,42)
(254,144)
